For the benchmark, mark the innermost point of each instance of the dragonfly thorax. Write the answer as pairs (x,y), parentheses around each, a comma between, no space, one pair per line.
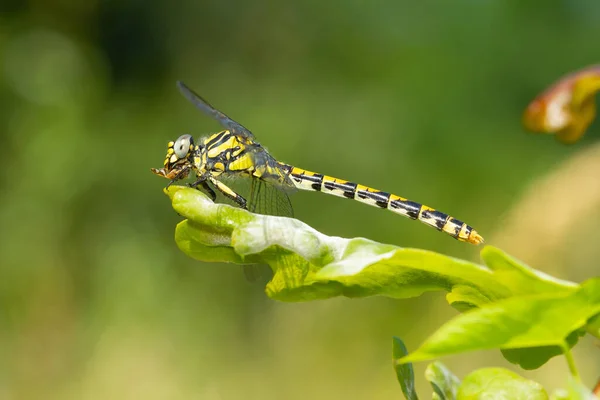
(225,152)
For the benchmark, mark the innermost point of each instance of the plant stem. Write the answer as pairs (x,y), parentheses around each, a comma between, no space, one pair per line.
(571,362)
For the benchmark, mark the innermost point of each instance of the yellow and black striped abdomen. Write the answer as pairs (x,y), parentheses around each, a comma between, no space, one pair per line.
(306,180)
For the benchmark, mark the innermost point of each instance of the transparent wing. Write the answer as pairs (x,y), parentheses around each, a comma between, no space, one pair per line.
(205,107)
(262,197)
(251,272)
(269,194)
(257,273)
(267,198)
(270,199)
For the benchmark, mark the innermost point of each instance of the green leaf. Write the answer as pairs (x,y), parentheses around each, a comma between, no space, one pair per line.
(404,372)
(593,326)
(520,278)
(309,265)
(534,357)
(499,383)
(445,384)
(521,322)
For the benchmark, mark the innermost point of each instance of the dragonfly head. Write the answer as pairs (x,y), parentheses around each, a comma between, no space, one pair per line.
(179,159)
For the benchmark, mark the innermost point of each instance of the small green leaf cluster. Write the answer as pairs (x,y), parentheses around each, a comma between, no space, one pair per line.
(528,315)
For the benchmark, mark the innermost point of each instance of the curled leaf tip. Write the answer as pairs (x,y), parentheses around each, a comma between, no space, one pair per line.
(567,107)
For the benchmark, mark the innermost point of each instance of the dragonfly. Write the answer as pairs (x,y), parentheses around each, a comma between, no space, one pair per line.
(235,151)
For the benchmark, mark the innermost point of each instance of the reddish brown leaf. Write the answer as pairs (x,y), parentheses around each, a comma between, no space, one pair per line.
(567,107)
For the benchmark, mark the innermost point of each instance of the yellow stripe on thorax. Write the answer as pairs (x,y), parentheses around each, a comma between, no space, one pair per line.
(242,163)
(215,151)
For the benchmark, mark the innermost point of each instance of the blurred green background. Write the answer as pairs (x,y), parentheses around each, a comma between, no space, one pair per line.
(423,100)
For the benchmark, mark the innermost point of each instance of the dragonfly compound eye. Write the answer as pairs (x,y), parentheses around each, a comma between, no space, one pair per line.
(183,145)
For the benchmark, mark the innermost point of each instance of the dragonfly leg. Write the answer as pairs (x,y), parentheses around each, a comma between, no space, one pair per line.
(227,192)
(202,182)
(208,190)
(199,181)
(180,175)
